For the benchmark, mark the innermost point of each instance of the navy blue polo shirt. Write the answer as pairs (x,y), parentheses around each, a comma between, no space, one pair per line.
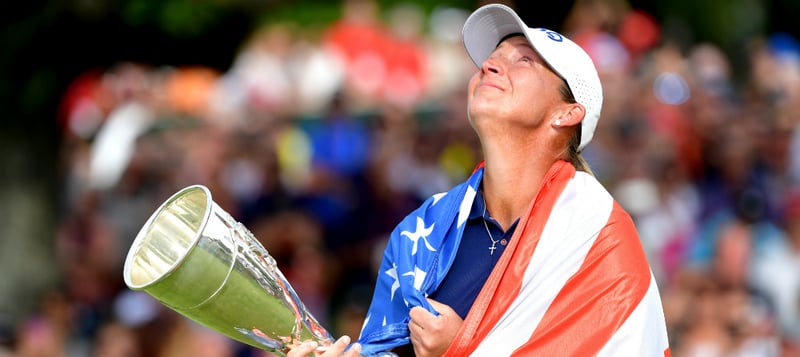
(473,262)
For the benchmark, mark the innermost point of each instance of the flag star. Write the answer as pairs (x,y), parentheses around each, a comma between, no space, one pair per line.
(392,272)
(421,232)
(366,321)
(419,276)
(466,205)
(437,197)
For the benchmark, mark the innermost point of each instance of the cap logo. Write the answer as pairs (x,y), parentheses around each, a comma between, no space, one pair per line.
(555,36)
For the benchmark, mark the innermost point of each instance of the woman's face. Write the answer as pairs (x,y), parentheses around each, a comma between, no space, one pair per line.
(513,86)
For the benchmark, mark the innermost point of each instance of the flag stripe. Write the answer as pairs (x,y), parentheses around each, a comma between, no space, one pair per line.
(480,318)
(598,299)
(559,254)
(627,340)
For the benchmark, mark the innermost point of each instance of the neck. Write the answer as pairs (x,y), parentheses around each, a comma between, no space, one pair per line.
(511,180)
(517,156)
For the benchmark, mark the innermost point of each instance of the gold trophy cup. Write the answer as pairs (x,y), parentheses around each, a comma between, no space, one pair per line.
(196,259)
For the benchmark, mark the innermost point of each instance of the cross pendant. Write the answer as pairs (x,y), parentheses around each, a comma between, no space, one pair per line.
(491,249)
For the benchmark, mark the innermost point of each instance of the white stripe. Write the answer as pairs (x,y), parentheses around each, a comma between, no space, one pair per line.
(582,210)
(644,332)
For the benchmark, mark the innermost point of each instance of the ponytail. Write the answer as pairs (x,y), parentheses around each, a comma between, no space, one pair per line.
(575,157)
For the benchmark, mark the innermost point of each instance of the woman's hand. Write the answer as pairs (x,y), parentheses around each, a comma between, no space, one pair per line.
(431,335)
(309,348)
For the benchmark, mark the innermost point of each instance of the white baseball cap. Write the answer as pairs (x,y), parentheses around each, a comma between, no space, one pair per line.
(489,24)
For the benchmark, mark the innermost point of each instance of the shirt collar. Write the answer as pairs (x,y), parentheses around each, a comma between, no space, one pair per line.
(478,209)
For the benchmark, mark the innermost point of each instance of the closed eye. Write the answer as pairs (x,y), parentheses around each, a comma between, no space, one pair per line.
(526,59)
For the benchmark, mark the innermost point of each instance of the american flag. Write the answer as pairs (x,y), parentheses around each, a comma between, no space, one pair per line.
(574,281)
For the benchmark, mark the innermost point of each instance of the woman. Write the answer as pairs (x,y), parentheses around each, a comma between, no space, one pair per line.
(531,255)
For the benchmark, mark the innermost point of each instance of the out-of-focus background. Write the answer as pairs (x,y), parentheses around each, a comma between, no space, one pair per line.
(319,125)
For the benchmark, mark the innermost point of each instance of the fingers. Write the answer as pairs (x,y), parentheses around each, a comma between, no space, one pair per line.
(420,317)
(354,351)
(432,334)
(303,349)
(439,307)
(338,348)
(335,350)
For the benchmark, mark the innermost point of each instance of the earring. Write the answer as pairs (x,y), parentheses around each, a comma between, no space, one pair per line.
(557,123)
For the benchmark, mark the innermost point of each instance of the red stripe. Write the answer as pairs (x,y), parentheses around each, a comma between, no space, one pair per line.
(598,298)
(506,277)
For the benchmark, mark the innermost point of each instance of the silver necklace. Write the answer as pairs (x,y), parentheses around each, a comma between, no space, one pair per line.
(494,242)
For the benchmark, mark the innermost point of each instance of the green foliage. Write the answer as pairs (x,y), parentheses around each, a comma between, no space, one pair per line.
(303,13)
(723,22)
(318,13)
(179,18)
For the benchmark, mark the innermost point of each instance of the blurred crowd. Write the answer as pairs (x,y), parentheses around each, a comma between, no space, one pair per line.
(320,141)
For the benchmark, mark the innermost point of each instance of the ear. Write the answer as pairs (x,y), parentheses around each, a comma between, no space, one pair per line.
(573,114)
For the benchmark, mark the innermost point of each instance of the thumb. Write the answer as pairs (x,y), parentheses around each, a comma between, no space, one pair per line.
(419,313)
(439,307)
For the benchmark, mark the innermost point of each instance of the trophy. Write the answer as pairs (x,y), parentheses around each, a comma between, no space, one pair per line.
(196,259)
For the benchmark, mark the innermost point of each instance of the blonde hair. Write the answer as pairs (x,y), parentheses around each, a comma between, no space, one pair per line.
(575,158)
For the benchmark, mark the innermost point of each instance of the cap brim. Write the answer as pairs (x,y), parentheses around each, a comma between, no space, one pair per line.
(484,29)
